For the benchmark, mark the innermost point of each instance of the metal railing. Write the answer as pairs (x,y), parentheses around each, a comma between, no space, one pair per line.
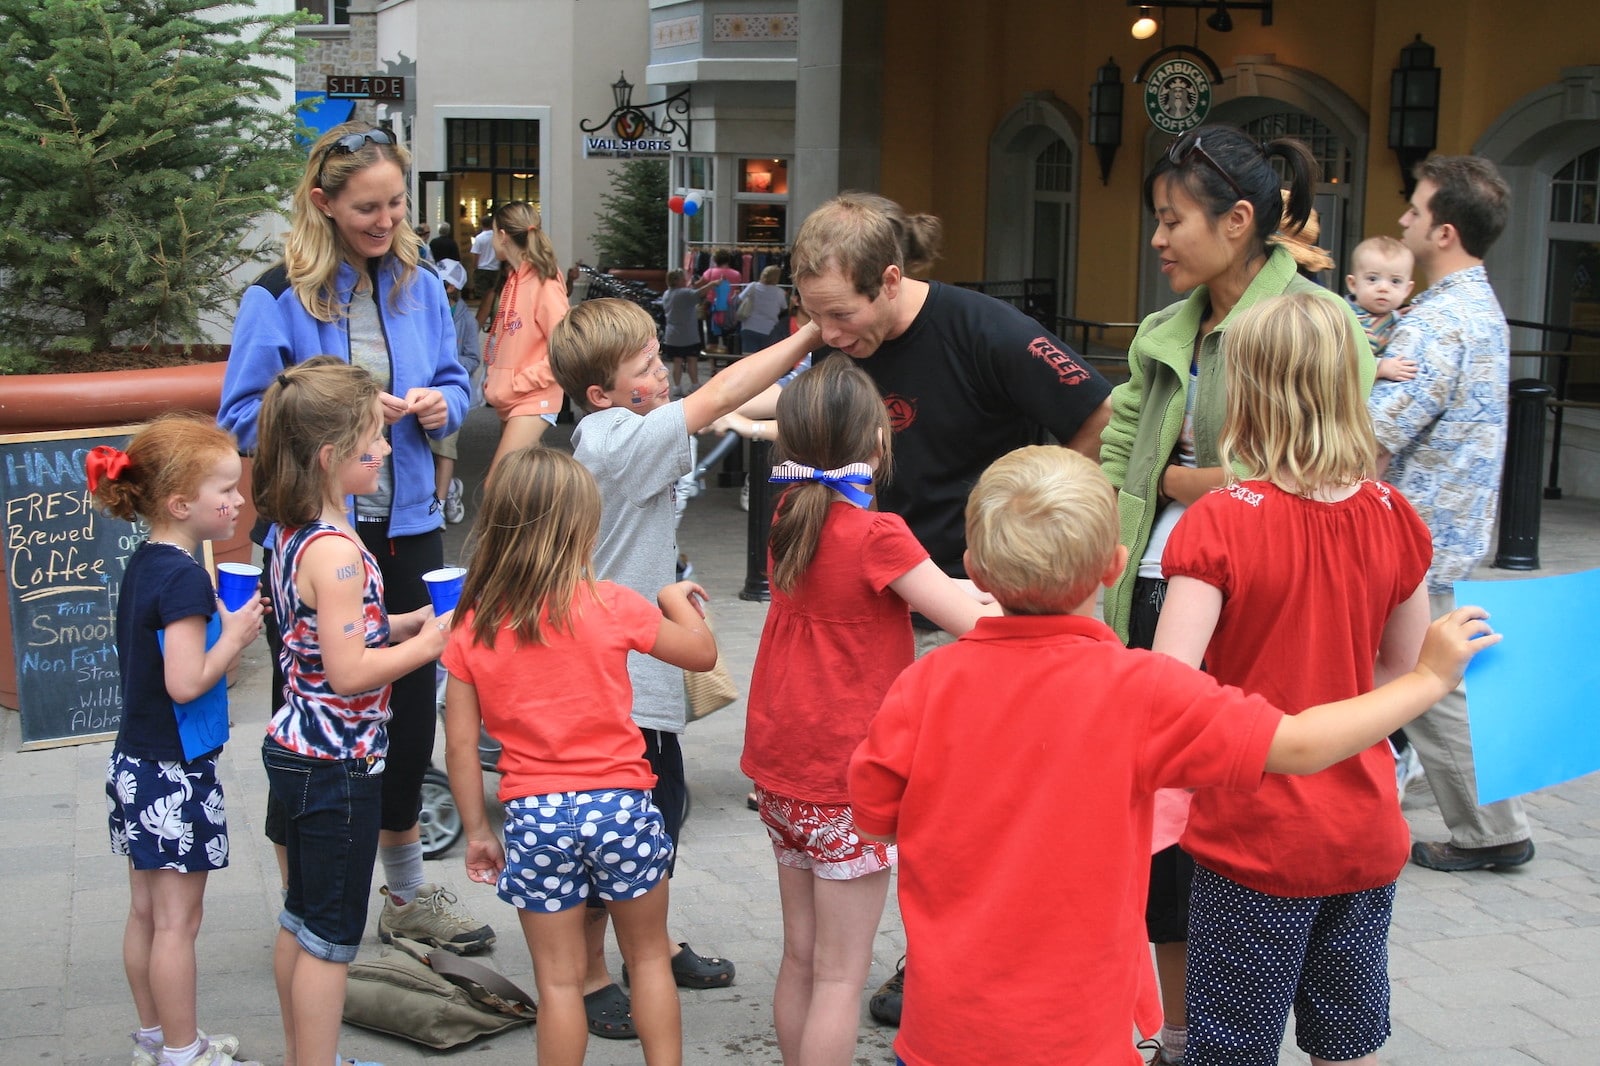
(1555,368)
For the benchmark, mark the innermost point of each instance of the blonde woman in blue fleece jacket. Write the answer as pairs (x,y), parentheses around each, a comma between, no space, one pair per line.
(1218,203)
(352,285)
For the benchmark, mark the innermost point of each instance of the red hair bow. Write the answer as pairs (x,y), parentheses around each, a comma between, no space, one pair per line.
(105,461)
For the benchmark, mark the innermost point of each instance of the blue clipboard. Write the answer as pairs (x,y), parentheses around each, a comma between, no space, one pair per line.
(202,722)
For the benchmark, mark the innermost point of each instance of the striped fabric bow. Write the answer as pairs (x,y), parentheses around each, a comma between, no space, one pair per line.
(845,480)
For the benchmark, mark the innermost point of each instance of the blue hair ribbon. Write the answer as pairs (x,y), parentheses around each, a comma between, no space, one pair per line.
(845,480)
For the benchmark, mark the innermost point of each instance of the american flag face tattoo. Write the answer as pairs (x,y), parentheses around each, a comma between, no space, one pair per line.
(371,462)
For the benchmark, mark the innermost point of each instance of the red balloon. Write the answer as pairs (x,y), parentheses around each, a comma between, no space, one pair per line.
(675,204)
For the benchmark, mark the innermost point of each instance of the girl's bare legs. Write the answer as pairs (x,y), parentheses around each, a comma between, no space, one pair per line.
(556,944)
(828,929)
(519,431)
(158,949)
(311,998)
(641,926)
(694,371)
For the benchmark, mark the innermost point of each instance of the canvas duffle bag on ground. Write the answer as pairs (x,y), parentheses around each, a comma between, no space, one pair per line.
(432,997)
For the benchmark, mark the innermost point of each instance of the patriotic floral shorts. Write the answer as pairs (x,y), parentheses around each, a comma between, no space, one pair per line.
(821,837)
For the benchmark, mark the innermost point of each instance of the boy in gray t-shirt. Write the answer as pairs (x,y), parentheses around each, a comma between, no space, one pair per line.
(634,439)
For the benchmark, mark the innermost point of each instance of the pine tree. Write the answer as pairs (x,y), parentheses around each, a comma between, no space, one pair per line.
(140,141)
(632,230)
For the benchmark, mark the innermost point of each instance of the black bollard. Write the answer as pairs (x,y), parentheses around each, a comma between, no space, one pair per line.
(1518,548)
(760,525)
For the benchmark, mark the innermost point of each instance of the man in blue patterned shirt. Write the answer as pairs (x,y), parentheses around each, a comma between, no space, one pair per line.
(1444,437)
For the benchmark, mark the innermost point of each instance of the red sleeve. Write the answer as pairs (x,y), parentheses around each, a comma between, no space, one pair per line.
(1199,545)
(637,618)
(889,550)
(1202,734)
(1416,543)
(881,764)
(456,649)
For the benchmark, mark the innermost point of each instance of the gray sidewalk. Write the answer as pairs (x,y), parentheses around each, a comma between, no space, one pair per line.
(1488,968)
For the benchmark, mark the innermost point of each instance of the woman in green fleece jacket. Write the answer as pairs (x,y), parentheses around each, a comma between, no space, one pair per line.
(1217,201)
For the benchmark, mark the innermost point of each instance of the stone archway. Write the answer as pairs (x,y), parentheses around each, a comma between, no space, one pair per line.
(1041,124)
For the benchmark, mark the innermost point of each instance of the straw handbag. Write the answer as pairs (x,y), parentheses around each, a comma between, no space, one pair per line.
(711,690)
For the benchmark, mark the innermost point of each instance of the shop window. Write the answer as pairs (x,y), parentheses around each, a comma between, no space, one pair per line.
(1575,190)
(328,12)
(1330,152)
(492,161)
(768,177)
(763,223)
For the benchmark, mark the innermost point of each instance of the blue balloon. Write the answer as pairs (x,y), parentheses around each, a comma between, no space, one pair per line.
(691,207)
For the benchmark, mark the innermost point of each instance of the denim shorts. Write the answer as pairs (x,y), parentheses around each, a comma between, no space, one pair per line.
(332,809)
(562,845)
(1252,956)
(166,815)
(820,837)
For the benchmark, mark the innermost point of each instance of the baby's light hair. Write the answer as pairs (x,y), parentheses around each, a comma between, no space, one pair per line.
(592,341)
(536,536)
(1041,529)
(321,402)
(1382,246)
(167,457)
(1295,415)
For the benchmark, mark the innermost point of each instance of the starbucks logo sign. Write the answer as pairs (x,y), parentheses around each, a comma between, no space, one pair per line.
(1177,96)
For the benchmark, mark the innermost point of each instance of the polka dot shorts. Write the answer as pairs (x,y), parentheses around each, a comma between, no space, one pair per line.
(1252,956)
(562,845)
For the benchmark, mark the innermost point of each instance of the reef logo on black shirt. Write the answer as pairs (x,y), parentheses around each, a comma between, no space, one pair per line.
(1068,369)
(902,411)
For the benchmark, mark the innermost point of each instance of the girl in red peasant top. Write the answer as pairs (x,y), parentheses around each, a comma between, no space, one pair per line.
(1301,580)
(844,581)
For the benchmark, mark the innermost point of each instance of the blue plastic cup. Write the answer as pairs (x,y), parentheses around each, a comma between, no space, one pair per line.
(444,587)
(237,583)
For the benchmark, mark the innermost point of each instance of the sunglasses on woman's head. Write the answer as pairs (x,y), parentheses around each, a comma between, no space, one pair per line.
(1178,154)
(350,144)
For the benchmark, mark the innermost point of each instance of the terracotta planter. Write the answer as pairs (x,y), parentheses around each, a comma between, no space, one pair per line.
(32,403)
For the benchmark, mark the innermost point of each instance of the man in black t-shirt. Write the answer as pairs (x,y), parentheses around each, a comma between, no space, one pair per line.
(967,379)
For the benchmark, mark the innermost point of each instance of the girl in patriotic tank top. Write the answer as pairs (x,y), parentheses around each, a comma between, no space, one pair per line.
(321,441)
(845,578)
(1300,579)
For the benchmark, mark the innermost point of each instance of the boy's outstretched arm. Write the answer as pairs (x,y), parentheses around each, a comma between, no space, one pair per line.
(747,377)
(1320,736)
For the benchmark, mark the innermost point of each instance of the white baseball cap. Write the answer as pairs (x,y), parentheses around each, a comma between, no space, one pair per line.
(453,273)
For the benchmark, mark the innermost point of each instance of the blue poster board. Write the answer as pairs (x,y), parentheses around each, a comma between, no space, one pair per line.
(1533,698)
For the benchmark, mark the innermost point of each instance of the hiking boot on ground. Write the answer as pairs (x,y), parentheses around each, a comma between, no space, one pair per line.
(884,1006)
(436,918)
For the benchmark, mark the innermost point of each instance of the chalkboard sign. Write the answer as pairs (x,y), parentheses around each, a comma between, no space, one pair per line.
(64,563)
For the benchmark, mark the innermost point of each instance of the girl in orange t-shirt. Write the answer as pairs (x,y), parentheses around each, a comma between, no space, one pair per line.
(538,653)
(518,383)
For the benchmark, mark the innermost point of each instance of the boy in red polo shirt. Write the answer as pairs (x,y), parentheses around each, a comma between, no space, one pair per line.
(1015,769)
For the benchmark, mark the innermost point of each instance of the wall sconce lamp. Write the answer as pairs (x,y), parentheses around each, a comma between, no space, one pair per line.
(1220,19)
(1105,116)
(1413,109)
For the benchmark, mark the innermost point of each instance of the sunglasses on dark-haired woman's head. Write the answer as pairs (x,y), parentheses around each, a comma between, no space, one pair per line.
(1179,153)
(352,143)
